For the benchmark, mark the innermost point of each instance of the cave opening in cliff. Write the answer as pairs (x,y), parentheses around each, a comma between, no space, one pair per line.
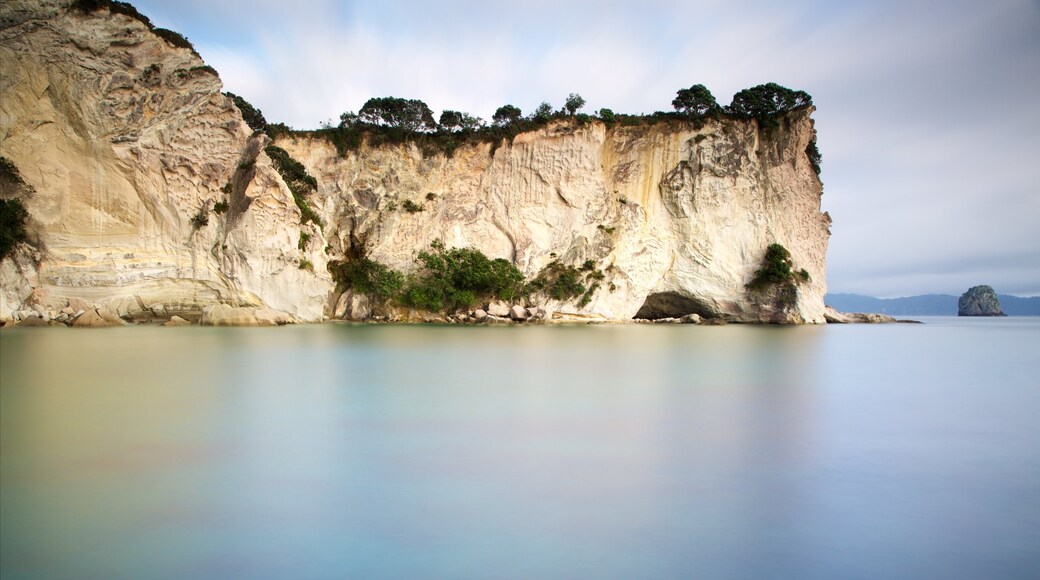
(672,305)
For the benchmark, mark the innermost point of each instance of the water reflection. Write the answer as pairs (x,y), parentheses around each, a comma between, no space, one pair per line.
(605,451)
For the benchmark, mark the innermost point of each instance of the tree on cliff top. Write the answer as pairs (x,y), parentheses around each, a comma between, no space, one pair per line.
(574,103)
(767,101)
(506,114)
(407,114)
(696,101)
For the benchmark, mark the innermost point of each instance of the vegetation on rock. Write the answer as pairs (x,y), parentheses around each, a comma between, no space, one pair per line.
(300,183)
(767,102)
(696,101)
(116,7)
(250,114)
(13,215)
(776,277)
(979,301)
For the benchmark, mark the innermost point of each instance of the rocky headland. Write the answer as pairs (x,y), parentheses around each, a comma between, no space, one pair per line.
(149,198)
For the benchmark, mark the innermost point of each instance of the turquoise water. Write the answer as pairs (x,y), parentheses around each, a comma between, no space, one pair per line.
(620,451)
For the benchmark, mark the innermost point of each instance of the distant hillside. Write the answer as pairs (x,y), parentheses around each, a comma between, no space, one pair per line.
(925,305)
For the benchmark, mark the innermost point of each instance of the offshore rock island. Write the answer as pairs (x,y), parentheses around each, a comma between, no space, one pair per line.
(149,196)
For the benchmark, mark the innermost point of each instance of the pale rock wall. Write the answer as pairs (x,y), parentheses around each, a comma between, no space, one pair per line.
(124,139)
(673,211)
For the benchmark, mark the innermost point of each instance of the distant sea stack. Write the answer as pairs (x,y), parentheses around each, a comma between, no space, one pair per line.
(979,301)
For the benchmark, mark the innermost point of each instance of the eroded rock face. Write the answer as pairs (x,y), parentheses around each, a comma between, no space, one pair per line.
(678,218)
(979,301)
(126,139)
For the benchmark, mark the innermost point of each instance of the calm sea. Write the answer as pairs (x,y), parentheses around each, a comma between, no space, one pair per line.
(614,451)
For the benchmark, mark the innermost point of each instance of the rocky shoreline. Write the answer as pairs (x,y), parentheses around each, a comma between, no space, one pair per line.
(81,314)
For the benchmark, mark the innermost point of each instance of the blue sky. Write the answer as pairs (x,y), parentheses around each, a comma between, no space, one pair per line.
(928,111)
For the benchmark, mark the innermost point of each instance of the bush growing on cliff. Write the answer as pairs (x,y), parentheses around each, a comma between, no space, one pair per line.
(367,276)
(813,153)
(558,282)
(300,183)
(13,217)
(775,269)
(458,277)
(250,114)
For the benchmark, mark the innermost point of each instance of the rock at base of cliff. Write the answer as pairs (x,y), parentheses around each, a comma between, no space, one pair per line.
(497,308)
(100,318)
(176,321)
(979,301)
(226,315)
(352,306)
(832,316)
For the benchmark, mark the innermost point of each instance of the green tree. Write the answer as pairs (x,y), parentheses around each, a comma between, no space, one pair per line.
(348,119)
(696,101)
(767,101)
(506,115)
(407,114)
(543,112)
(574,103)
(607,115)
(455,120)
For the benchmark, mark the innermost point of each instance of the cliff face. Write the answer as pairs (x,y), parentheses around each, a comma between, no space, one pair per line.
(125,138)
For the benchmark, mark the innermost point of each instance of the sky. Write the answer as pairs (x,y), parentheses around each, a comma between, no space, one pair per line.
(928,111)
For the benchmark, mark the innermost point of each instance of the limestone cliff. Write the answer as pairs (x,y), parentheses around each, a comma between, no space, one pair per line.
(678,218)
(126,138)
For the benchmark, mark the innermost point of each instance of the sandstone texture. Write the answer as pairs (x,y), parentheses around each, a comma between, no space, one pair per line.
(126,139)
(678,218)
(979,301)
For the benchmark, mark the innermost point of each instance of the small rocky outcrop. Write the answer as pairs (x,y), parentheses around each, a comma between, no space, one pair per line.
(979,301)
(834,317)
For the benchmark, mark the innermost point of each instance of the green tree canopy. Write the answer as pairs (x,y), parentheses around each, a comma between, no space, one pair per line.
(506,115)
(543,112)
(407,114)
(455,120)
(768,100)
(696,101)
(574,103)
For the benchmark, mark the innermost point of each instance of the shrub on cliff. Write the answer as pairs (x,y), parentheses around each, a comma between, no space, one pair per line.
(775,269)
(13,217)
(813,153)
(367,277)
(250,114)
(458,277)
(300,183)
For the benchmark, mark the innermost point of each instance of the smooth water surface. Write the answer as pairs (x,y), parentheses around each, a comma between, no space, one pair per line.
(615,451)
